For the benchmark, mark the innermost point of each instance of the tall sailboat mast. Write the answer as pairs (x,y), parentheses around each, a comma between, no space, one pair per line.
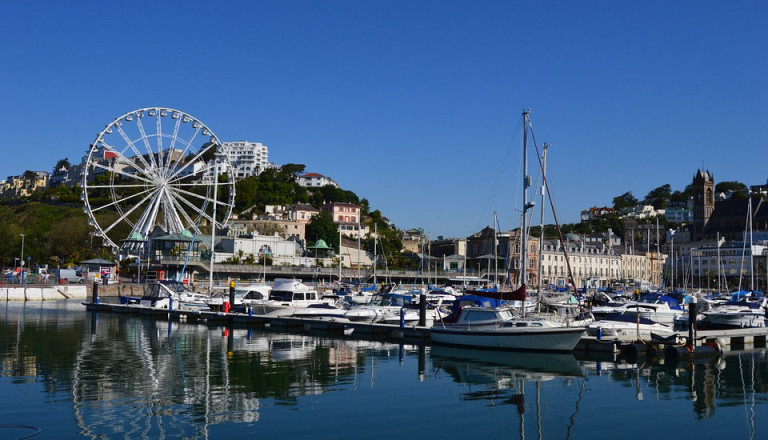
(526,184)
(495,247)
(540,267)
(541,219)
(751,249)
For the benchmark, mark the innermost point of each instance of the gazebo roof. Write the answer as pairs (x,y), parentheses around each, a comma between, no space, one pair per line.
(99,261)
(184,235)
(320,244)
(135,236)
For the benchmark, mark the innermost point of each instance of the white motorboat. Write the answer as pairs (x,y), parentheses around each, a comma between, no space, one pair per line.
(243,296)
(387,309)
(659,308)
(287,296)
(332,309)
(628,324)
(746,312)
(169,295)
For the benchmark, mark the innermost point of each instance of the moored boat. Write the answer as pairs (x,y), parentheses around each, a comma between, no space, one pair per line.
(743,311)
(287,296)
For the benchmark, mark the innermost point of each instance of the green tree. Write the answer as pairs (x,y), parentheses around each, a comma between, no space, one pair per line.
(626,200)
(659,197)
(322,227)
(246,193)
(739,189)
(292,171)
(62,163)
(680,198)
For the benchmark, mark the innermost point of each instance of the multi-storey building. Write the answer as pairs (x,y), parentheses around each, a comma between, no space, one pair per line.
(301,212)
(24,185)
(591,265)
(730,265)
(346,216)
(247,158)
(66,175)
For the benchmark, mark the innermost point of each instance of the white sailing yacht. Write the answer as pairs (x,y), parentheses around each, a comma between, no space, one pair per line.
(510,331)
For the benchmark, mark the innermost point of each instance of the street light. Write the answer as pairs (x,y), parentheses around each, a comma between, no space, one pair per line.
(22,259)
(672,259)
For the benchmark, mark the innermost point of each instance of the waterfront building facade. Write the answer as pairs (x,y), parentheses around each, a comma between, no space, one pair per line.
(592,265)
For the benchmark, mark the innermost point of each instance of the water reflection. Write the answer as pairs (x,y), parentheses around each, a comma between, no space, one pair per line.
(738,378)
(138,377)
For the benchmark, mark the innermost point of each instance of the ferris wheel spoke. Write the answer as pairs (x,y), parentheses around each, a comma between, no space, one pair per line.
(118,185)
(122,157)
(172,173)
(129,143)
(171,217)
(191,194)
(179,184)
(127,213)
(175,209)
(177,170)
(116,202)
(159,131)
(120,172)
(145,139)
(174,137)
(183,211)
(198,210)
(147,218)
(177,178)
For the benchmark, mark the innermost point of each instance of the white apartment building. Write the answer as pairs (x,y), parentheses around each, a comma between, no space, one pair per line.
(247,158)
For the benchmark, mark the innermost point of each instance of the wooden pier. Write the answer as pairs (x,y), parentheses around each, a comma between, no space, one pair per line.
(736,339)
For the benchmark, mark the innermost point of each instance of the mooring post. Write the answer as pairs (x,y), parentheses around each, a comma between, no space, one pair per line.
(232,295)
(422,310)
(402,317)
(95,297)
(692,320)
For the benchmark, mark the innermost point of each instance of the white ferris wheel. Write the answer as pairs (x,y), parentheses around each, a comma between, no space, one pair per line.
(156,167)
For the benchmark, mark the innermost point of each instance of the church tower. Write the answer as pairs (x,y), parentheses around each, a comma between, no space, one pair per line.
(703,202)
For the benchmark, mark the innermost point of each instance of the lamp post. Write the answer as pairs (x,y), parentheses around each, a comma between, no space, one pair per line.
(23,278)
(22,259)
(672,260)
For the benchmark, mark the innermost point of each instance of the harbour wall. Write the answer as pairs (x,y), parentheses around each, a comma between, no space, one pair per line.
(46,293)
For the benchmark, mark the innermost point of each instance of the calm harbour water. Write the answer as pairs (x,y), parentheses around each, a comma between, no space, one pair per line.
(74,374)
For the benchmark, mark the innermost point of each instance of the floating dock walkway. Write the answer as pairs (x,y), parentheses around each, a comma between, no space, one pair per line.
(721,339)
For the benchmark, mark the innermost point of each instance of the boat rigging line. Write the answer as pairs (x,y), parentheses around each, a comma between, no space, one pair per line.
(554,216)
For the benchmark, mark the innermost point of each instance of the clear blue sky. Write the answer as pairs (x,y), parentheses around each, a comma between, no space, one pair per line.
(414,105)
